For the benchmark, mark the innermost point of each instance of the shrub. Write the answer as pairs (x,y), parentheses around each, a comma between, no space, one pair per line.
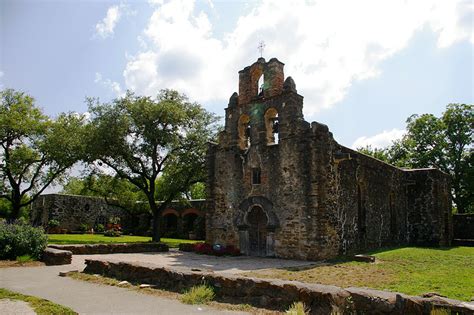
(298,308)
(100,228)
(112,233)
(83,227)
(200,294)
(21,239)
(53,223)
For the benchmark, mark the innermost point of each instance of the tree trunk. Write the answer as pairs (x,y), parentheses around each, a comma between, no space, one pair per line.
(156,227)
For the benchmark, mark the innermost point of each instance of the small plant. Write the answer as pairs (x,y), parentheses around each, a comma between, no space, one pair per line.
(112,233)
(24,258)
(298,308)
(200,294)
(53,223)
(83,227)
(100,228)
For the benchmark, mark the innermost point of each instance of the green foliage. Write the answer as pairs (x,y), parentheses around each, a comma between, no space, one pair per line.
(198,191)
(201,294)
(21,239)
(53,223)
(298,308)
(157,144)
(83,227)
(40,306)
(380,154)
(35,150)
(100,228)
(112,233)
(24,258)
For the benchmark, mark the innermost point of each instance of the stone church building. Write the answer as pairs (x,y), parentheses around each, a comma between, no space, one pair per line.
(281,186)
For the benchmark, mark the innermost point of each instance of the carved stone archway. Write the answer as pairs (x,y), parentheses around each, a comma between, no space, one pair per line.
(257,222)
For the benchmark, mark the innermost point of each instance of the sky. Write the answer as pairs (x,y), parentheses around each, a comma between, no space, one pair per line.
(362,66)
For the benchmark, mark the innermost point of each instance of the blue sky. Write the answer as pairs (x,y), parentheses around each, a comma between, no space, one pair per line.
(362,66)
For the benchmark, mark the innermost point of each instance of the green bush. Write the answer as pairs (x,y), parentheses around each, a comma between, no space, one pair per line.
(99,228)
(83,227)
(200,294)
(53,223)
(20,239)
(112,233)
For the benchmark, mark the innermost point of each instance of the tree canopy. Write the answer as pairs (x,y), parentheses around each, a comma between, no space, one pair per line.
(141,139)
(445,143)
(35,150)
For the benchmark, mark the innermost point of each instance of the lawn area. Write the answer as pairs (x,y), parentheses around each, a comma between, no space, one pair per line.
(410,270)
(41,306)
(99,238)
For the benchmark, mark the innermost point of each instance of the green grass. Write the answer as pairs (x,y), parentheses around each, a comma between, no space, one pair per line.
(40,306)
(297,308)
(409,270)
(100,239)
(201,294)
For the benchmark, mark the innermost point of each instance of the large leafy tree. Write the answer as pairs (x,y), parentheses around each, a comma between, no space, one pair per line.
(444,142)
(142,139)
(35,151)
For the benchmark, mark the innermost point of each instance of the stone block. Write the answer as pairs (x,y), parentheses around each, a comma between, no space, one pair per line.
(52,256)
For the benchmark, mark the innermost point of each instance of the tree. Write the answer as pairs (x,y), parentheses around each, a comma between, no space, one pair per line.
(35,151)
(143,139)
(380,154)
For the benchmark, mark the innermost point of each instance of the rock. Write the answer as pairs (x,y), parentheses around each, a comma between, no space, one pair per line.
(432,294)
(364,258)
(123,283)
(144,286)
(53,256)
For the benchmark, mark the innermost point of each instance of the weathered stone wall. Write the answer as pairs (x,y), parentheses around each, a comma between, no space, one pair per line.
(279,294)
(72,211)
(463,226)
(319,199)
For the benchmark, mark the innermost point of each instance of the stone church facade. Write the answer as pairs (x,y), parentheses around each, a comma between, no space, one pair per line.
(281,186)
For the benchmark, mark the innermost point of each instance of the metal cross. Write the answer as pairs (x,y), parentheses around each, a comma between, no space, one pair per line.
(261,47)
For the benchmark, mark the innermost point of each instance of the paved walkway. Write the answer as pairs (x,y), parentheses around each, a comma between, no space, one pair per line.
(90,298)
(15,307)
(186,260)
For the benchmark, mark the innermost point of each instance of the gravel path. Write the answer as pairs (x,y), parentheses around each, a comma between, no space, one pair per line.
(15,307)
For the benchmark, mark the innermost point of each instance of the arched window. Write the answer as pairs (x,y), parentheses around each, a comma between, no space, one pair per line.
(272,126)
(244,131)
(260,85)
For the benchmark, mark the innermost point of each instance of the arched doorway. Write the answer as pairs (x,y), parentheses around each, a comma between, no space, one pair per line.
(257,221)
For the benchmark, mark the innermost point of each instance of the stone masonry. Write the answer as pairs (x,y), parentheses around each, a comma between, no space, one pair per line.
(280,186)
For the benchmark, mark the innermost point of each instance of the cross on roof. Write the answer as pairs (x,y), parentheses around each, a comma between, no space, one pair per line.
(261,47)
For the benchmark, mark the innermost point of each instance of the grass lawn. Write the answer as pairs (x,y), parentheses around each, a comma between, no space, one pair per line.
(99,238)
(40,306)
(410,270)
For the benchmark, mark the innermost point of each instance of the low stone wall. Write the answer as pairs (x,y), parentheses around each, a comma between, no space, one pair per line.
(91,249)
(53,256)
(463,226)
(278,294)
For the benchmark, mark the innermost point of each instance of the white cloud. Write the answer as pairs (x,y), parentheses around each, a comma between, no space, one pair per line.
(105,28)
(380,140)
(326,45)
(109,84)
(1,76)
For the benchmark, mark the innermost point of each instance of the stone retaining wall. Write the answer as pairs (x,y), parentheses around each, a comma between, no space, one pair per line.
(463,226)
(279,294)
(91,249)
